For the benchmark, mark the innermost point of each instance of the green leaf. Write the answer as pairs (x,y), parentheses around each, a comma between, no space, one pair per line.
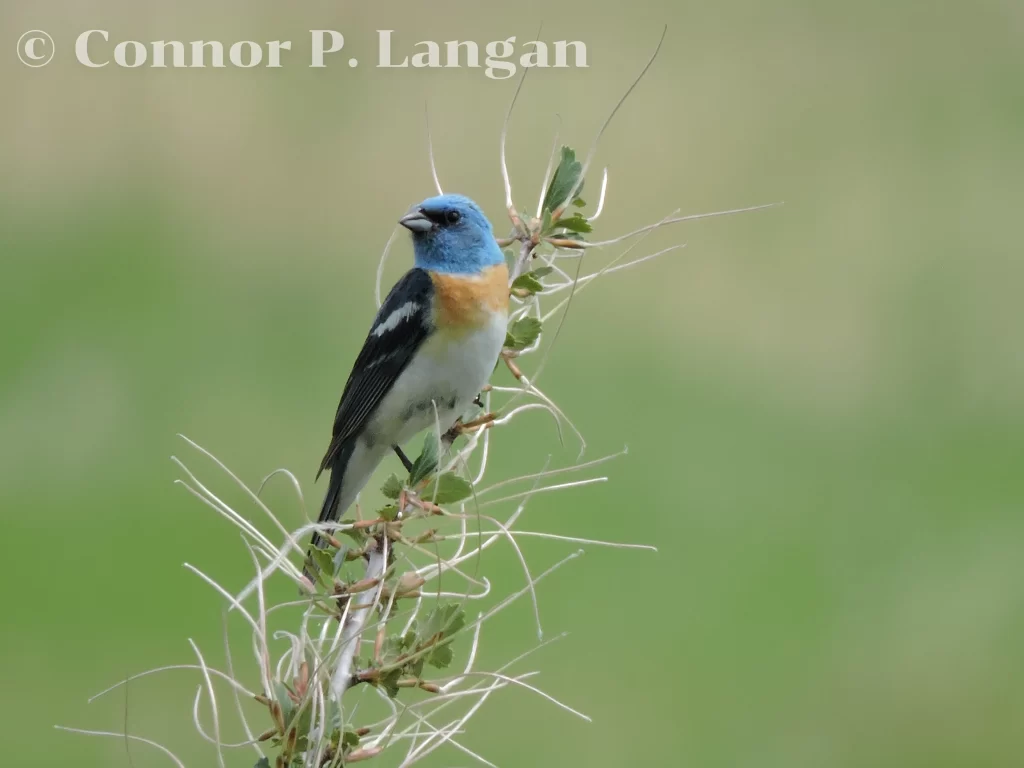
(576,223)
(349,740)
(358,535)
(530,281)
(545,225)
(396,645)
(389,513)
(263,762)
(456,620)
(579,202)
(441,656)
(426,462)
(444,620)
(338,562)
(565,178)
(447,489)
(324,562)
(305,719)
(284,700)
(527,282)
(392,486)
(415,668)
(523,333)
(389,681)
(332,714)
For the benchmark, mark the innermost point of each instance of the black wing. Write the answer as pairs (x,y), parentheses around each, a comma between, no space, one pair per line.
(402,323)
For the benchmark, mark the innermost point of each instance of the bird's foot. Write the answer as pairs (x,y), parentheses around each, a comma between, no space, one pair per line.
(481,422)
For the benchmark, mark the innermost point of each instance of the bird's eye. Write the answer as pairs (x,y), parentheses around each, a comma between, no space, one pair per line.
(452,217)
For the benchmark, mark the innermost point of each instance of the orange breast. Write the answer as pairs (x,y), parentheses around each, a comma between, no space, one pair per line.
(468,301)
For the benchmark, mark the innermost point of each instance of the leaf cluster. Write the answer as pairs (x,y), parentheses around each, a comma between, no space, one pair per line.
(444,488)
(566,177)
(403,657)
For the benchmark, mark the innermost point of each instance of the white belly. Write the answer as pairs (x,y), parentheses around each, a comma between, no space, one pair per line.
(440,383)
(436,388)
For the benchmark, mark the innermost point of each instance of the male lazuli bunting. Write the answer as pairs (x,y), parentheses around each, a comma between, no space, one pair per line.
(431,349)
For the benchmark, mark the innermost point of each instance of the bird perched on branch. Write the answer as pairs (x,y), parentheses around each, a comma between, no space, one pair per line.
(431,349)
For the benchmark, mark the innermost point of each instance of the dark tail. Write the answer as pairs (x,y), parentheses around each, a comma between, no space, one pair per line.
(329,511)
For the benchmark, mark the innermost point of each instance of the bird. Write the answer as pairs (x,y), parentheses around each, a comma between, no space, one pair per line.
(430,350)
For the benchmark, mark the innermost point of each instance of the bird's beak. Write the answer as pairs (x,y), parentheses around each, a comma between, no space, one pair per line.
(416,221)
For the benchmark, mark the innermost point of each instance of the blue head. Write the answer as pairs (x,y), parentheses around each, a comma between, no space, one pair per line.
(451,234)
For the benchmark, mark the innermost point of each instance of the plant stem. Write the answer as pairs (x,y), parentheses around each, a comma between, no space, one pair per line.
(524,258)
(376,565)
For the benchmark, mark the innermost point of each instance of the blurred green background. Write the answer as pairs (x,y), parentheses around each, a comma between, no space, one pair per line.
(823,402)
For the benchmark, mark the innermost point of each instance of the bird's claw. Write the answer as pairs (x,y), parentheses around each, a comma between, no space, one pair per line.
(482,422)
